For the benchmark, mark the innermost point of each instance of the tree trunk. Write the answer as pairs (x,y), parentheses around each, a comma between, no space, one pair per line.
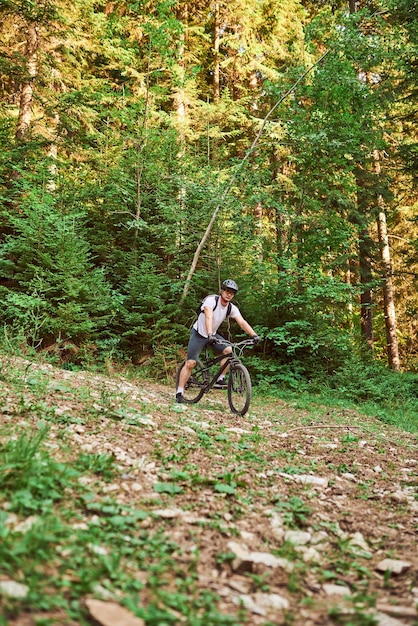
(26,95)
(51,183)
(388,293)
(352,6)
(366,296)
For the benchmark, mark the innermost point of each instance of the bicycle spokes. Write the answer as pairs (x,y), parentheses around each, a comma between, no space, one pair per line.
(239,389)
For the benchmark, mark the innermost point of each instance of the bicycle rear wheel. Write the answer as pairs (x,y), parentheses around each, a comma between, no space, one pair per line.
(239,389)
(195,386)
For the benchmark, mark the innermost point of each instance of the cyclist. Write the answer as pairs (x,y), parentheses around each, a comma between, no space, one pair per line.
(214,310)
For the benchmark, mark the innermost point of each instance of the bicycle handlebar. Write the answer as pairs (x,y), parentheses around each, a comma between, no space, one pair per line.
(240,345)
(244,342)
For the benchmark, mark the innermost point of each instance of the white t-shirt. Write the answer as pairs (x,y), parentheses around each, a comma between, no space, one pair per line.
(219,314)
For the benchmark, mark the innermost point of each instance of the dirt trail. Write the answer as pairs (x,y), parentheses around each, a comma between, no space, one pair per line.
(291,514)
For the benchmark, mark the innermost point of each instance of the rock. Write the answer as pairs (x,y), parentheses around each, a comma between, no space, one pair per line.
(358,540)
(245,558)
(238,431)
(310,554)
(250,604)
(349,476)
(101,591)
(277,526)
(80,526)
(336,590)
(306,479)
(385,620)
(297,537)
(100,550)
(315,481)
(320,537)
(241,585)
(247,536)
(396,610)
(112,614)
(271,601)
(392,565)
(12,589)
(263,603)
(168,513)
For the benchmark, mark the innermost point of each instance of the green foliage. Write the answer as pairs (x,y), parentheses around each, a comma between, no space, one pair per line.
(30,477)
(359,381)
(96,243)
(60,295)
(295,511)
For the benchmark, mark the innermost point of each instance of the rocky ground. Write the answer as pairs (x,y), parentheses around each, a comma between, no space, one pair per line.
(294,514)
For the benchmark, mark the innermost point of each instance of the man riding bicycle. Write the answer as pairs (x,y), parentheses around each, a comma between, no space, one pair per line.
(213,312)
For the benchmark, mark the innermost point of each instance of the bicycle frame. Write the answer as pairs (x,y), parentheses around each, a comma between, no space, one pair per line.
(230,360)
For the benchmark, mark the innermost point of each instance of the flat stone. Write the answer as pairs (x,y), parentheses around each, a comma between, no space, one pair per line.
(168,513)
(336,590)
(307,479)
(110,613)
(12,589)
(357,539)
(396,610)
(263,603)
(386,620)
(271,601)
(243,555)
(310,554)
(297,537)
(393,565)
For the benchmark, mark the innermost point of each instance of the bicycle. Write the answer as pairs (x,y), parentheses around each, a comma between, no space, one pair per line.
(202,379)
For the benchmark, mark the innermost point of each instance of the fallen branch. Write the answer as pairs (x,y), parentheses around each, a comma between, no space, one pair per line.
(321,426)
(234,177)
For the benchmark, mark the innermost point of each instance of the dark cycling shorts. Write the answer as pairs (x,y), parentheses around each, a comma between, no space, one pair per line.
(197,343)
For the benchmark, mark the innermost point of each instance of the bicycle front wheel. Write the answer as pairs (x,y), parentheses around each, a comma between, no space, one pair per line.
(239,389)
(195,386)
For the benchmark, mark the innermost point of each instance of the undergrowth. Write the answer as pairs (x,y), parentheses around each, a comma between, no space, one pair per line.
(390,396)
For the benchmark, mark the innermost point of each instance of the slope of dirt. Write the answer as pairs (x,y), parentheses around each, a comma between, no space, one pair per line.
(289,515)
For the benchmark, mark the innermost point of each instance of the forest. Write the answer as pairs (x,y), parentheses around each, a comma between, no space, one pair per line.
(150,149)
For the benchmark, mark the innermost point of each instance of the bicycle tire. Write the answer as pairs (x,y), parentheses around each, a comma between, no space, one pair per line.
(239,389)
(195,386)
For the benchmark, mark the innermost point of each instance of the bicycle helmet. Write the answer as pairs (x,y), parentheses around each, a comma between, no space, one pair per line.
(230,284)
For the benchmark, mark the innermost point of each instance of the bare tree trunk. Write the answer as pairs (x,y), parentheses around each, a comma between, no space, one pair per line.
(388,293)
(26,95)
(139,168)
(366,296)
(51,183)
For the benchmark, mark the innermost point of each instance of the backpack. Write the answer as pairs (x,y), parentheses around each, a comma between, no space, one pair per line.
(199,308)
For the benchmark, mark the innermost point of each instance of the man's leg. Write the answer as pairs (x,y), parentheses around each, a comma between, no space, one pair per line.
(196,344)
(221,382)
(185,373)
